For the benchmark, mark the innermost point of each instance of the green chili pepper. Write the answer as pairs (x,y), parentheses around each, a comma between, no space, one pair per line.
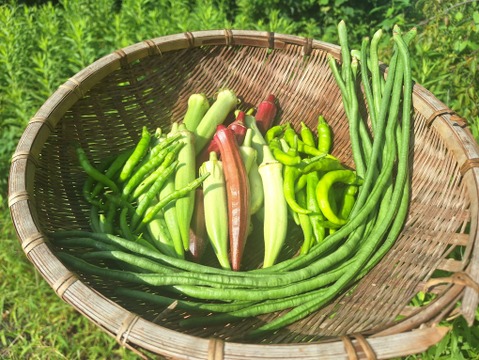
(349,198)
(324,188)
(87,192)
(124,226)
(106,219)
(94,172)
(316,217)
(109,169)
(139,175)
(305,223)
(300,183)
(280,155)
(148,197)
(291,174)
(94,222)
(307,135)
(321,163)
(175,195)
(273,133)
(292,139)
(324,135)
(140,150)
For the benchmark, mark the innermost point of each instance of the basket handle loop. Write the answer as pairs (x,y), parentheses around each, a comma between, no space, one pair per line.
(368,350)
(468,165)
(364,345)
(126,326)
(216,349)
(308,46)
(459,121)
(228,37)
(349,347)
(458,278)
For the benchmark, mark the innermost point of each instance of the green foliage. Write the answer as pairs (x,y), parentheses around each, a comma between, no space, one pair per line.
(446,55)
(34,322)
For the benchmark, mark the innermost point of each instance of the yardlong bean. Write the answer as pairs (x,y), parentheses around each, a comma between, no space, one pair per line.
(366,251)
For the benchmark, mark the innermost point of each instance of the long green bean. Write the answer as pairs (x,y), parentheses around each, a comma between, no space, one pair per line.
(368,247)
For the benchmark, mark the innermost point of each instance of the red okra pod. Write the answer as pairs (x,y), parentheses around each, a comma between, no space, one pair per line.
(237,195)
(266,113)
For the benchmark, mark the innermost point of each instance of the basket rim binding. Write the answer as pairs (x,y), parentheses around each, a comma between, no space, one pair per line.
(134,332)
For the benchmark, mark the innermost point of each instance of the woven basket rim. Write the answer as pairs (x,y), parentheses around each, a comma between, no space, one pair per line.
(133,331)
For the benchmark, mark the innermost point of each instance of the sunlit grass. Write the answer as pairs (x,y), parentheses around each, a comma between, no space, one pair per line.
(35,323)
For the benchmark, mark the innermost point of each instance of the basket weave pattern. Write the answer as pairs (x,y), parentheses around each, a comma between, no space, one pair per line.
(104,107)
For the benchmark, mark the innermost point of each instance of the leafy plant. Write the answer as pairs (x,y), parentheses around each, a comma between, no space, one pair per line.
(446,54)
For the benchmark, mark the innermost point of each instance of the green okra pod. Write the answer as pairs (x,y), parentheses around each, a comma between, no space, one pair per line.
(185,173)
(198,105)
(224,104)
(249,156)
(216,208)
(275,207)
(161,238)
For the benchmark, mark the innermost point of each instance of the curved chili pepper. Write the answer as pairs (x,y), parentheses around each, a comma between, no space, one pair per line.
(141,149)
(274,132)
(281,156)
(324,135)
(291,174)
(316,217)
(321,163)
(300,183)
(305,224)
(349,198)
(323,189)
(238,197)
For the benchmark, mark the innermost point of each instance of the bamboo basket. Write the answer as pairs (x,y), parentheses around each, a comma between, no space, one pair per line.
(104,106)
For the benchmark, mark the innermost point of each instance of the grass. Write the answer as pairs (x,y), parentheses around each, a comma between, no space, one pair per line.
(35,323)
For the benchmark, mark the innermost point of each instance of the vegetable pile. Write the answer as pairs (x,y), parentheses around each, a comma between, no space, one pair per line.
(157,206)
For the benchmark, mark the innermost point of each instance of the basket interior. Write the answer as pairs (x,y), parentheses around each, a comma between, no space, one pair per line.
(153,91)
